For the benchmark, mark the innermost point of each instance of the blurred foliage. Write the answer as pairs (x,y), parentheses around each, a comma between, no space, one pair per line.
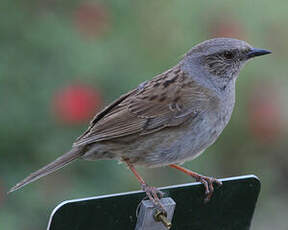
(112,46)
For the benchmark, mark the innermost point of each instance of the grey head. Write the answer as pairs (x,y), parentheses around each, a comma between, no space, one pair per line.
(218,61)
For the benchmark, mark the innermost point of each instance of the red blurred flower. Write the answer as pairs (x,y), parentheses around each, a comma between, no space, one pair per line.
(76,103)
(226,26)
(265,114)
(91,19)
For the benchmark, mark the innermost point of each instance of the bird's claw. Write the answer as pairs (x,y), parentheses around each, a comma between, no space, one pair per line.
(154,195)
(208,185)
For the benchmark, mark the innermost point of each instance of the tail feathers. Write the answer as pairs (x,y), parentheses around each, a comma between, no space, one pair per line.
(53,166)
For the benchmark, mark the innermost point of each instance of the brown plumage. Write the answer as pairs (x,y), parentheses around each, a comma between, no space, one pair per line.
(167,100)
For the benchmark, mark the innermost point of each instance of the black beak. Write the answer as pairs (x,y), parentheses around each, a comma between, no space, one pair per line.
(254,52)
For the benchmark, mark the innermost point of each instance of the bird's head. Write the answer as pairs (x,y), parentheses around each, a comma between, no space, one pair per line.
(221,58)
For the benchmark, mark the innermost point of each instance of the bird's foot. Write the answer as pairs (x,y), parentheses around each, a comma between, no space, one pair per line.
(206,181)
(154,195)
(208,185)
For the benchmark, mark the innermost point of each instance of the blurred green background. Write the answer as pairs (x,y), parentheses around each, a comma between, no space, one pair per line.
(62,61)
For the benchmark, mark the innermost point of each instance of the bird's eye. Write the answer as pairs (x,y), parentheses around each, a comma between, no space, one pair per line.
(228,55)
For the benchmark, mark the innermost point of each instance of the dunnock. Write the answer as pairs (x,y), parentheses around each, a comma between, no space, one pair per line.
(169,119)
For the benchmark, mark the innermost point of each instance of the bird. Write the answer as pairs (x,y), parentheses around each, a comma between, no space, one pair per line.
(170,119)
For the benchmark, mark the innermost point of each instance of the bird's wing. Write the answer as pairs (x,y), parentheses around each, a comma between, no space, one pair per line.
(169,99)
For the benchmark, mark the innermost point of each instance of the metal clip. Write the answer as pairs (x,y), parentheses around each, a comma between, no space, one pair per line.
(154,219)
(162,216)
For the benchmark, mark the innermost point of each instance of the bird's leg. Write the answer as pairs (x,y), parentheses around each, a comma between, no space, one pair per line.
(206,181)
(152,193)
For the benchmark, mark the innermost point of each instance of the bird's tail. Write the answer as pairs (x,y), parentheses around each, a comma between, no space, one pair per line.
(53,166)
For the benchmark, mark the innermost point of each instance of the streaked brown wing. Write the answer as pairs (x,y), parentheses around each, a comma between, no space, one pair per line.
(167,100)
(103,113)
